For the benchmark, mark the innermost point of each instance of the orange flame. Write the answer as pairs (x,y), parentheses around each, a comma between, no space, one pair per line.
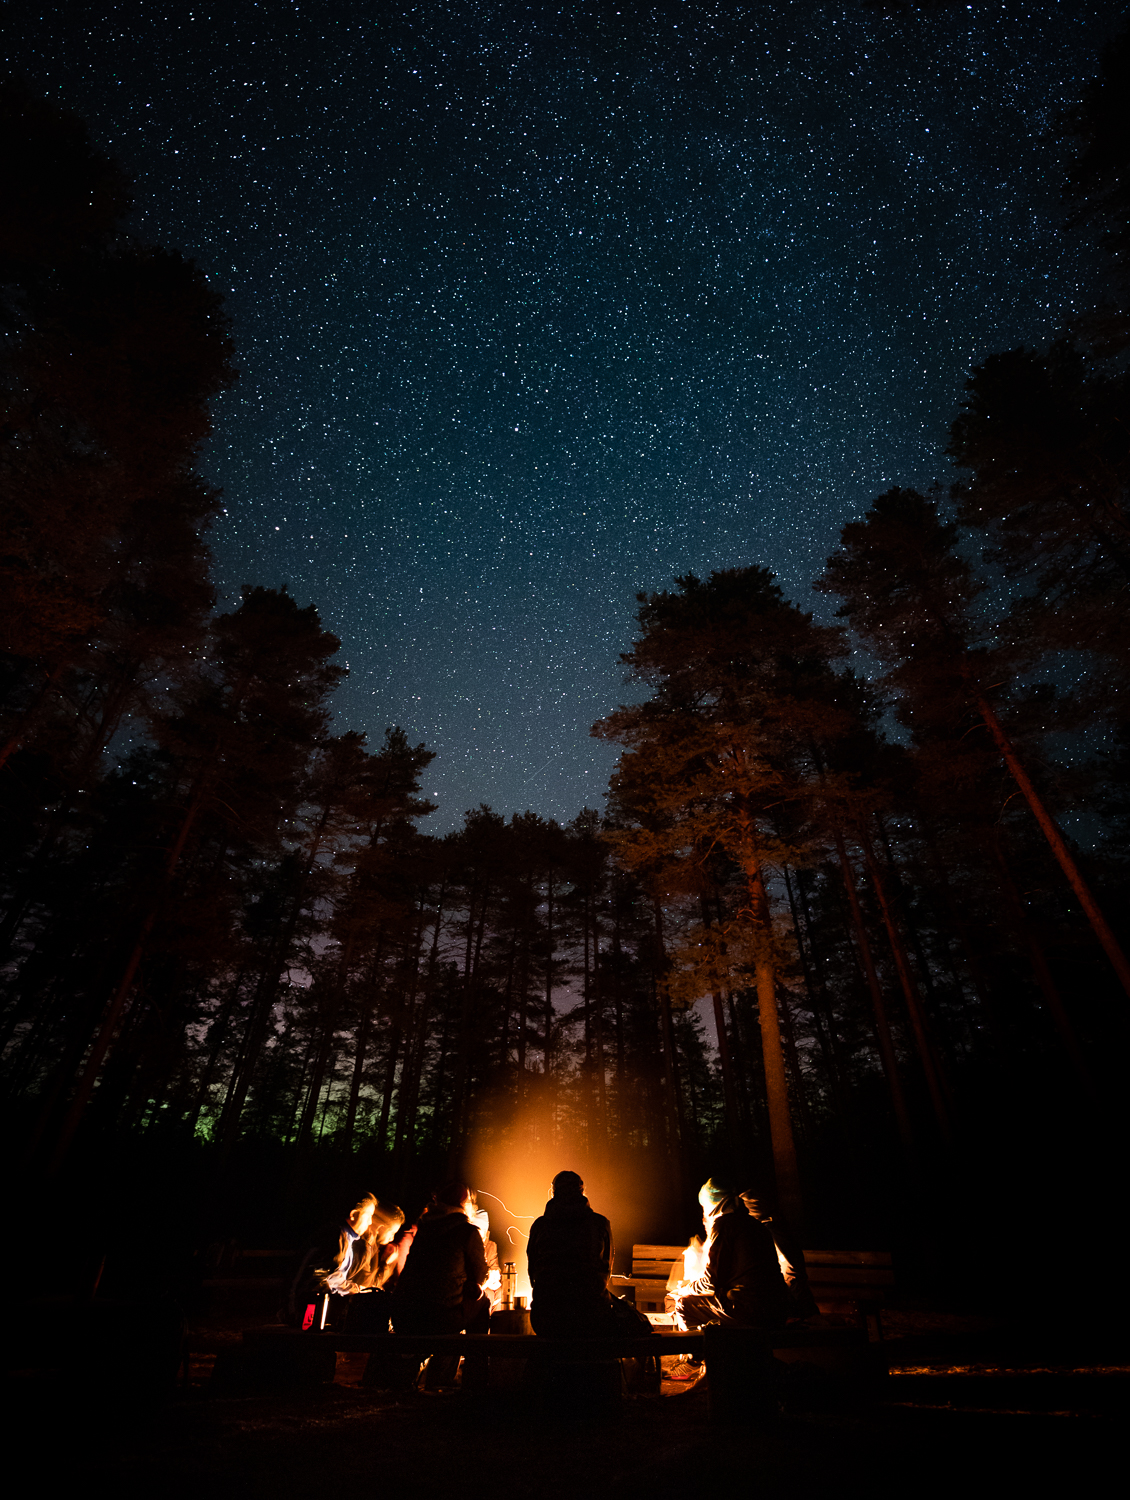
(694,1261)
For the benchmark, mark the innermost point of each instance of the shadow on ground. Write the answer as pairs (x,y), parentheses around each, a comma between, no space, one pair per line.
(926,1436)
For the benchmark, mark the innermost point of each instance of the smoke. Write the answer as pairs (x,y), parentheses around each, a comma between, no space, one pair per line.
(515,1152)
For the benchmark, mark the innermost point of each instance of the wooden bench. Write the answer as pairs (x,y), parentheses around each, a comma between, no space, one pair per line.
(576,1372)
(235,1268)
(524,1345)
(654,1268)
(852,1282)
(844,1282)
(741,1362)
(493,1345)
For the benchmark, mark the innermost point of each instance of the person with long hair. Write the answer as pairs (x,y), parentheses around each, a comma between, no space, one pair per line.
(343,1259)
(377,1262)
(481,1220)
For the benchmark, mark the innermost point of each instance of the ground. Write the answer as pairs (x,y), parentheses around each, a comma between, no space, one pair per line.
(970,1405)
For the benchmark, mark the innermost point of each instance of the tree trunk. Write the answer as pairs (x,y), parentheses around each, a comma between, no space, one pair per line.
(523,992)
(676,1127)
(1050,830)
(981,985)
(460,1091)
(597,1010)
(417,1048)
(882,1029)
(930,1065)
(507,1001)
(368,1006)
(792,1058)
(112,1015)
(549,972)
(1040,968)
(586,1005)
(325,1044)
(817,994)
(28,719)
(217,1035)
(618,1002)
(776,1082)
(729,1095)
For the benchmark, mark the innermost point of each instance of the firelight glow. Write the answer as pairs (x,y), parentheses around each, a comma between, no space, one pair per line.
(515,1154)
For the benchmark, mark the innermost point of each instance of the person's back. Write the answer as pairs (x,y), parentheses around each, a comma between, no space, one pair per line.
(569,1256)
(440,1288)
(445,1256)
(790,1256)
(743,1266)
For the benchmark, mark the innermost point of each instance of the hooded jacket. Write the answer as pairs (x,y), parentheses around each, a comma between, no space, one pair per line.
(742,1271)
(570,1251)
(447,1265)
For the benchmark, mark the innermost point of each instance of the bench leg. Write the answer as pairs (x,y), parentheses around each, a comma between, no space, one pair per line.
(642,1375)
(476,1374)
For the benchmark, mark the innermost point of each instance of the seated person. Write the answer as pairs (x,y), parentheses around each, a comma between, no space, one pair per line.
(440,1289)
(440,1284)
(374,1272)
(742,1284)
(569,1255)
(341,1260)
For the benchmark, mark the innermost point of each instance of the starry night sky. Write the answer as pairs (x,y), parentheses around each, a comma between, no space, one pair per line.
(538,306)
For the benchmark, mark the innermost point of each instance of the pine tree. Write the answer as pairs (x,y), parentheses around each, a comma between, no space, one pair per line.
(913,599)
(1046,440)
(722,740)
(239,739)
(114,352)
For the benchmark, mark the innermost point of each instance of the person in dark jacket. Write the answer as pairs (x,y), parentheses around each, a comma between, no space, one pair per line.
(569,1256)
(440,1289)
(790,1257)
(742,1284)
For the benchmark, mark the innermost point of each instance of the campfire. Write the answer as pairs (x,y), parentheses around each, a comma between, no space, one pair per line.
(694,1259)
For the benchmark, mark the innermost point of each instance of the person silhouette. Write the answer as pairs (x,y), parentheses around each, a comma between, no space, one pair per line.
(569,1256)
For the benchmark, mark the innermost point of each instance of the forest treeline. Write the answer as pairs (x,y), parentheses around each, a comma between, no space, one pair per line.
(858,897)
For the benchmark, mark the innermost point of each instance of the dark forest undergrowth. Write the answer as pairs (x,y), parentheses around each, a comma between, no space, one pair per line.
(342,1437)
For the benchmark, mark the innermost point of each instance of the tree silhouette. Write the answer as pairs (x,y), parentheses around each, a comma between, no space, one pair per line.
(114,351)
(721,741)
(911,596)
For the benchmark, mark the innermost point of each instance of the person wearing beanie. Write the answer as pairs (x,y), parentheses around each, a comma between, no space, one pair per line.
(742,1285)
